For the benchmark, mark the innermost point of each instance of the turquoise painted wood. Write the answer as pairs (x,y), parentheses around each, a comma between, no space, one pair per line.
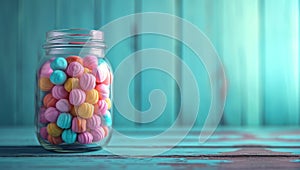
(9,61)
(281,62)
(31,36)
(108,11)
(154,78)
(257,41)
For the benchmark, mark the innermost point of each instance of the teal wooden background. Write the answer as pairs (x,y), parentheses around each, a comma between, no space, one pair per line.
(257,40)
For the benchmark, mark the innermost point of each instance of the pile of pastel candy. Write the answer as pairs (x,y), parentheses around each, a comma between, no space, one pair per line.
(75,106)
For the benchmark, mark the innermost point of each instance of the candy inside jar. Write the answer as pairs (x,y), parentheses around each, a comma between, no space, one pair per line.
(73,102)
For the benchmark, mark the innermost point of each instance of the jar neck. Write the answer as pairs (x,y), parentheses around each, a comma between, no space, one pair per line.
(75,41)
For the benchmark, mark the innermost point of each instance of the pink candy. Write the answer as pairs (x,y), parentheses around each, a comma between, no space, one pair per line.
(101,73)
(103,91)
(59,92)
(44,133)
(102,107)
(63,105)
(85,138)
(98,134)
(46,70)
(42,118)
(51,114)
(90,62)
(93,122)
(87,82)
(75,69)
(77,97)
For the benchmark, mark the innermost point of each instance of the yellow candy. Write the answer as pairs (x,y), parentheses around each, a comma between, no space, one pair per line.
(85,110)
(108,101)
(45,84)
(92,96)
(86,70)
(54,130)
(71,83)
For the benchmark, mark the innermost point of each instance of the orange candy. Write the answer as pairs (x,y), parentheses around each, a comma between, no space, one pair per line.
(71,59)
(49,100)
(54,140)
(106,130)
(73,111)
(45,84)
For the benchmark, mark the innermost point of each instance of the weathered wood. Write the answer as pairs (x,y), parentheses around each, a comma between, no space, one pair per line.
(226,149)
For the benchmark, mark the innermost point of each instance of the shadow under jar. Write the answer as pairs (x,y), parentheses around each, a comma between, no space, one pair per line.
(73,92)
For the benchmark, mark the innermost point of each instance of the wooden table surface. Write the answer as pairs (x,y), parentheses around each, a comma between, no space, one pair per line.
(228,148)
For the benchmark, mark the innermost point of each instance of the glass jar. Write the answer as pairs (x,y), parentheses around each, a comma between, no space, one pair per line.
(73,92)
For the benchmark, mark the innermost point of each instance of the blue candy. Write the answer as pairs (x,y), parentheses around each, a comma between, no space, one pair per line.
(58,77)
(68,136)
(107,118)
(59,63)
(64,120)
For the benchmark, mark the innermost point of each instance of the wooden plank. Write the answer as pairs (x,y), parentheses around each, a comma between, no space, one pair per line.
(75,14)
(9,62)
(249,49)
(194,12)
(281,62)
(148,163)
(108,11)
(233,62)
(155,78)
(32,34)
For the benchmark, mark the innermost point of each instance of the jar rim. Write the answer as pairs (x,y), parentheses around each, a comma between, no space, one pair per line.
(74,37)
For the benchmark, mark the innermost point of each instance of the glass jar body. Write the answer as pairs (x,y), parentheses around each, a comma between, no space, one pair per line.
(73,96)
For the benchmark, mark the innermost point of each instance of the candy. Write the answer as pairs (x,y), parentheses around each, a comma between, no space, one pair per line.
(98,134)
(59,63)
(107,81)
(71,83)
(108,101)
(92,96)
(87,82)
(42,118)
(51,114)
(102,107)
(58,77)
(90,62)
(93,122)
(76,100)
(54,130)
(63,105)
(75,69)
(59,92)
(103,91)
(49,100)
(45,70)
(45,84)
(77,97)
(78,125)
(54,140)
(64,120)
(71,59)
(68,136)
(43,132)
(86,70)
(85,110)
(107,118)
(101,73)
(73,111)
(85,138)
(106,130)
